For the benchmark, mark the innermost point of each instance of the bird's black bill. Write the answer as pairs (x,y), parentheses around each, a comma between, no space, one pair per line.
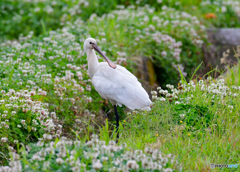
(110,63)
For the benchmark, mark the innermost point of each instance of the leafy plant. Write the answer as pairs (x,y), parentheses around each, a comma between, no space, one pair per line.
(195,116)
(24,120)
(68,155)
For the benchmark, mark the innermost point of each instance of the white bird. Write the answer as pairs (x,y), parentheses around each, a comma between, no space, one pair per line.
(114,82)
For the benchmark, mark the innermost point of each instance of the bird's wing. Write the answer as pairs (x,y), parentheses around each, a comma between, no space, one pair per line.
(121,86)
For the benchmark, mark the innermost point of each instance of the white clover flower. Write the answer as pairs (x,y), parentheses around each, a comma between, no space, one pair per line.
(163,53)
(40,143)
(59,161)
(4,139)
(168,95)
(154,98)
(113,169)
(132,164)
(165,92)
(161,91)
(97,165)
(112,143)
(89,143)
(168,170)
(42,153)
(47,136)
(112,148)
(104,158)
(76,169)
(148,150)
(34,129)
(162,99)
(235,95)
(209,78)
(182,115)
(175,97)
(154,93)
(146,164)
(170,155)
(36,158)
(215,91)
(137,152)
(102,143)
(89,99)
(140,157)
(156,156)
(177,103)
(95,140)
(200,82)
(116,162)
(123,168)
(23,121)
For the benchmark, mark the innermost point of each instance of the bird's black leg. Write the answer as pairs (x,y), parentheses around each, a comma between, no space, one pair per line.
(117,121)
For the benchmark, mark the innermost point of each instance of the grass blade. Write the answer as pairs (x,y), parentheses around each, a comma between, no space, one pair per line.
(209,72)
(195,71)
(182,77)
(43,27)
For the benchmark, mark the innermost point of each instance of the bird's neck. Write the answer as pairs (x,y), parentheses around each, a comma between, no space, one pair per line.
(92,62)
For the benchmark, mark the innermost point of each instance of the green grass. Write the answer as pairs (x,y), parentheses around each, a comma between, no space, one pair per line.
(209,132)
(196,147)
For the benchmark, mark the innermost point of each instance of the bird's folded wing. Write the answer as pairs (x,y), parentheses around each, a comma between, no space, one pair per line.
(121,86)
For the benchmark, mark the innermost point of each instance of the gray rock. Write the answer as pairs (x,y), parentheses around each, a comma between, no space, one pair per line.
(221,40)
(224,36)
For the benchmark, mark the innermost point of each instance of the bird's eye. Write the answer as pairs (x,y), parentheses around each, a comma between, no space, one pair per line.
(90,43)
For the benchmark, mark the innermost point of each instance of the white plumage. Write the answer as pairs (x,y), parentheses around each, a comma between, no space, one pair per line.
(113,82)
(119,86)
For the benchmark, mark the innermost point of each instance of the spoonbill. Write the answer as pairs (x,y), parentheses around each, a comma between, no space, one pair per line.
(114,82)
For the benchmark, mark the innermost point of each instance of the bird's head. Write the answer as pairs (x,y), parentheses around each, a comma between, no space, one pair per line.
(90,44)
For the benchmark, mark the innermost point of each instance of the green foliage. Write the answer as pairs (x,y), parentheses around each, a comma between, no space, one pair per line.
(225,12)
(39,16)
(44,86)
(19,124)
(222,14)
(197,117)
(68,155)
(168,45)
(188,30)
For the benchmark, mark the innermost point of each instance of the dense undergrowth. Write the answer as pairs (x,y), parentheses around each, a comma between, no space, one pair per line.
(42,15)
(196,120)
(170,38)
(46,92)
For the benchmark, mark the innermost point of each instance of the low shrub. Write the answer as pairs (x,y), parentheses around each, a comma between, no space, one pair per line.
(196,117)
(24,119)
(196,106)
